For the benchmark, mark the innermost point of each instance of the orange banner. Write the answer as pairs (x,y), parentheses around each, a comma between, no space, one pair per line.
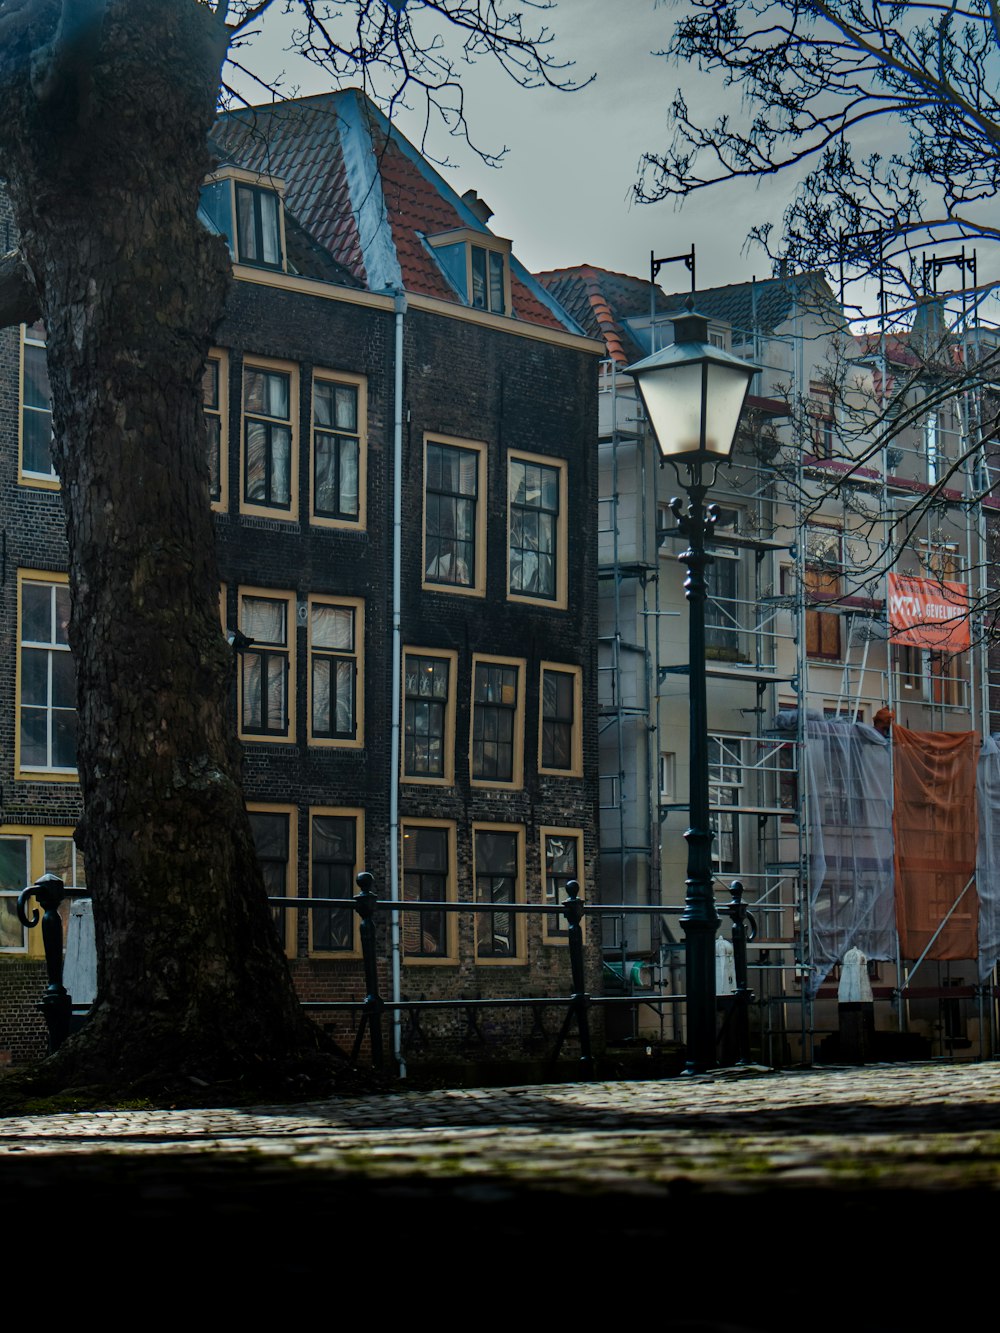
(929,613)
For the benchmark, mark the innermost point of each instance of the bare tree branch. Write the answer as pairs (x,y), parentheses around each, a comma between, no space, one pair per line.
(414,53)
(812,74)
(253,13)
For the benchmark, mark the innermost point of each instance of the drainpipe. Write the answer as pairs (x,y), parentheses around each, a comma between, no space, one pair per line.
(394,742)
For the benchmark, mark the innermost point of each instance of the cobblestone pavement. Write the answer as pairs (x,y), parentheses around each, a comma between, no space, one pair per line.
(741,1202)
(885,1126)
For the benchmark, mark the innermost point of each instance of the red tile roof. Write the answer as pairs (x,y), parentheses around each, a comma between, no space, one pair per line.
(592,296)
(303,143)
(298,142)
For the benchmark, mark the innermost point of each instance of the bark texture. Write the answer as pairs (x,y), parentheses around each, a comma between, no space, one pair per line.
(104,111)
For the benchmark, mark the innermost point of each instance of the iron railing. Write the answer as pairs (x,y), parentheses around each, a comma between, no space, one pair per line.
(57,1006)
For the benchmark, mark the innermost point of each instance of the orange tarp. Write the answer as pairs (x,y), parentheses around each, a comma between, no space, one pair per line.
(934,831)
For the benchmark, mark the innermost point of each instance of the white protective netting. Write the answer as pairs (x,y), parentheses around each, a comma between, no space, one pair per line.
(849,820)
(988,855)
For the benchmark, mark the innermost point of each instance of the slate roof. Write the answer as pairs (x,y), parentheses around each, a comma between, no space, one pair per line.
(762,305)
(365,195)
(601,301)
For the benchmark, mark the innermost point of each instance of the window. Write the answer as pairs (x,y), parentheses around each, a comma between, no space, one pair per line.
(947,678)
(258,226)
(560,748)
(823,583)
(454,529)
(668,775)
(338,452)
(63,858)
(274,837)
(821,419)
(497,722)
(788,782)
(335,837)
(940,560)
(46,733)
(932,450)
(336,680)
(498,851)
(15,874)
(429,716)
(270,449)
(36,410)
(835,710)
(537,530)
(428,857)
(27,853)
(910,666)
(477,266)
(248,213)
(722,607)
(267,676)
(215,400)
(488,280)
(666,527)
(725,779)
(562,860)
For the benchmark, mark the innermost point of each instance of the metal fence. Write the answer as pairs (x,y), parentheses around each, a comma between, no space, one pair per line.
(57,1006)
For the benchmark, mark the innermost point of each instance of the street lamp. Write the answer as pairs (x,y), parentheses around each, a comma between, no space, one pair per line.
(693,394)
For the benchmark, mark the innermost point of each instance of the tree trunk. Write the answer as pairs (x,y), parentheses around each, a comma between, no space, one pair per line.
(105,107)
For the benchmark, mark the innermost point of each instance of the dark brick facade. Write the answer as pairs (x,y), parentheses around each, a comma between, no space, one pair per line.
(461,381)
(530,391)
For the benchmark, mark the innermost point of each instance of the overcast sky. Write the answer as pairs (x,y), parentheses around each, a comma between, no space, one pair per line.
(562,194)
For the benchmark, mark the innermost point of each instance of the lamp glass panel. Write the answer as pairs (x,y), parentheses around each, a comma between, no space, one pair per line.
(672,400)
(727,387)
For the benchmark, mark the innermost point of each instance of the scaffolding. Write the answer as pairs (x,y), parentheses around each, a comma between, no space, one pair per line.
(820,502)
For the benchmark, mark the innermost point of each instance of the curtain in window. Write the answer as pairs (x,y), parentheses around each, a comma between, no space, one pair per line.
(270,230)
(348,477)
(281,464)
(14,875)
(247,231)
(333,627)
(263,620)
(256,456)
(339,677)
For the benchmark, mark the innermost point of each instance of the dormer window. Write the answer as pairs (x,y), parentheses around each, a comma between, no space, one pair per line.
(247,210)
(258,226)
(477,266)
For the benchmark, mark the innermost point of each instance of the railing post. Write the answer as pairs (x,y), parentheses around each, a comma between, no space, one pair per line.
(744,929)
(572,910)
(56,1005)
(365,904)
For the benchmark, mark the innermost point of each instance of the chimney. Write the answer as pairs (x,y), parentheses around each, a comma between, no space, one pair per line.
(478,206)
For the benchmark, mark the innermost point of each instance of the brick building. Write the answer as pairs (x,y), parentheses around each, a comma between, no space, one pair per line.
(373,318)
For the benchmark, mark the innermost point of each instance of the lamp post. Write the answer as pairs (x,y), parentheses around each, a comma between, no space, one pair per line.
(693,393)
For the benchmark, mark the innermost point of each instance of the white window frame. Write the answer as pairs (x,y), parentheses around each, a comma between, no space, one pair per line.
(48,772)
